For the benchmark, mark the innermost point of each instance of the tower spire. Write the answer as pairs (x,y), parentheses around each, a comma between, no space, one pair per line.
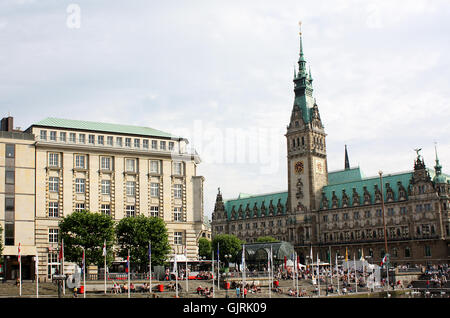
(347,163)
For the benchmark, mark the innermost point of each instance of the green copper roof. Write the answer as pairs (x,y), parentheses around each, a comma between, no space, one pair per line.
(342,176)
(106,127)
(369,183)
(250,200)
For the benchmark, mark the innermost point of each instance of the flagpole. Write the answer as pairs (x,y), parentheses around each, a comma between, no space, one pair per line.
(212,264)
(218,266)
(318,273)
(243,267)
(20,271)
(337,275)
(129,270)
(104,272)
(62,266)
(84,274)
(36,269)
(269,264)
(186,272)
(150,264)
(356,276)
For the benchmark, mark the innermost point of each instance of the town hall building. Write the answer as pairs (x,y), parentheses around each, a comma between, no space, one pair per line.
(338,211)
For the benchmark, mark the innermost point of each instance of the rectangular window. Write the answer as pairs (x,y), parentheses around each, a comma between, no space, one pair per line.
(130,210)
(119,141)
(145,143)
(130,165)
(379,213)
(335,217)
(177,215)
(80,161)
(106,187)
(127,142)
(345,216)
(367,214)
(62,136)
(53,159)
(162,145)
(110,141)
(154,211)
(80,207)
(53,135)
(137,143)
(171,145)
(391,212)
(154,144)
(43,134)
(178,238)
(53,184)
(356,215)
(131,188)
(154,166)
(403,210)
(53,209)
(105,209)
(325,218)
(72,137)
(10,151)
(427,251)
(80,185)
(9,204)
(177,168)
(91,139)
(154,190)
(105,163)
(9,234)
(53,235)
(101,140)
(82,138)
(52,264)
(9,177)
(177,191)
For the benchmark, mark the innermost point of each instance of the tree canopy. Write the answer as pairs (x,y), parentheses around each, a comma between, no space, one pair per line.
(266,239)
(134,235)
(228,245)
(204,247)
(89,230)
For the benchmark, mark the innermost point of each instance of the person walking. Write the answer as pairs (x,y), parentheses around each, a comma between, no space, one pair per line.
(238,292)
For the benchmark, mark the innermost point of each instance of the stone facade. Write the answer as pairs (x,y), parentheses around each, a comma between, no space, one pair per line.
(121,171)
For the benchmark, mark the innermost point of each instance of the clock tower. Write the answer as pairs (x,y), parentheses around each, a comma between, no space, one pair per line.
(306,147)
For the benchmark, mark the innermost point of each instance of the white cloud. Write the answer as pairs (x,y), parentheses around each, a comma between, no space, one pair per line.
(379,67)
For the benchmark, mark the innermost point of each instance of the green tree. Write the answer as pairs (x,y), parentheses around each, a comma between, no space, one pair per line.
(134,235)
(266,239)
(228,245)
(89,230)
(204,247)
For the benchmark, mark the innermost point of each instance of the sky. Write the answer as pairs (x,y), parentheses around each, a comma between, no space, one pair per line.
(220,74)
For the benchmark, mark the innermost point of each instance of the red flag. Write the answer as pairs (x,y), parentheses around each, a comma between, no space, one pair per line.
(128,264)
(19,256)
(285,260)
(60,256)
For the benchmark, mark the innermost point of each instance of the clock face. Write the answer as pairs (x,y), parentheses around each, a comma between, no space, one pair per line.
(299,167)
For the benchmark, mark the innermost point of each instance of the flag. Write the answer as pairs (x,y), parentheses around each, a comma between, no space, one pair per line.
(104,249)
(383,260)
(60,256)
(285,260)
(127,264)
(19,254)
(83,262)
(298,262)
